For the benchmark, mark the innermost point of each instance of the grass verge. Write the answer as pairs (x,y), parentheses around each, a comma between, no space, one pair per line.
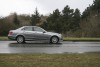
(2,38)
(50,60)
(81,39)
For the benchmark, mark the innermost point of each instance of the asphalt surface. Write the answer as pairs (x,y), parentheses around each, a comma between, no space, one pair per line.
(37,47)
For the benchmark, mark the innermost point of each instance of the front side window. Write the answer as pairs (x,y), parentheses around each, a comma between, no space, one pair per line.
(28,29)
(38,29)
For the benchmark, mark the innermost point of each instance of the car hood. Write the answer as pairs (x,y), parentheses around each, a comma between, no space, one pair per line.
(52,33)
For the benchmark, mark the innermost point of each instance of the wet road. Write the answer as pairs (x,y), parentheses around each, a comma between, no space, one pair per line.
(35,47)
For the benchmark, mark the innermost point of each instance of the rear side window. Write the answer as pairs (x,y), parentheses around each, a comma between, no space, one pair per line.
(28,29)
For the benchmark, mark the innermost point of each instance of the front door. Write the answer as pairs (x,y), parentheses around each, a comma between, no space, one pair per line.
(40,34)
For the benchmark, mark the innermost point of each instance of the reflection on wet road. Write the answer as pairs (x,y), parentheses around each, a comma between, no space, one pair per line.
(36,47)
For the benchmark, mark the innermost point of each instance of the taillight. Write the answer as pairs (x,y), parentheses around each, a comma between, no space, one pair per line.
(10,33)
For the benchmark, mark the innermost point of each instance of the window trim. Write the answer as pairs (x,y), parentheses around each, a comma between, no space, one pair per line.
(27,30)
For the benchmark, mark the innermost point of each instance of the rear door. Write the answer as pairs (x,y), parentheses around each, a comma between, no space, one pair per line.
(29,33)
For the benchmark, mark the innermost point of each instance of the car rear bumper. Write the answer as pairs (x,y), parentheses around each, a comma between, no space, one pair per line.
(11,38)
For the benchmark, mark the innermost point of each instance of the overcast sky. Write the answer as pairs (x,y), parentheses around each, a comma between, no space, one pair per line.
(44,6)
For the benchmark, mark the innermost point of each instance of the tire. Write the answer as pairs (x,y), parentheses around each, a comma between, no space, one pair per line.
(54,40)
(20,39)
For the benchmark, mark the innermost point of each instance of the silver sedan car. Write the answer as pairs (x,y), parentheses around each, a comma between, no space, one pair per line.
(34,33)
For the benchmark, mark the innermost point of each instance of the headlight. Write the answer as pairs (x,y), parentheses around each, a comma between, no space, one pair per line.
(60,35)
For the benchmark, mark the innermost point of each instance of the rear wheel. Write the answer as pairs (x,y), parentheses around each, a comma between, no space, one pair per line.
(54,40)
(20,39)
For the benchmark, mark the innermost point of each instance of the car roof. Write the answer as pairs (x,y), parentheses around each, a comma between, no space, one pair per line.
(30,26)
(25,26)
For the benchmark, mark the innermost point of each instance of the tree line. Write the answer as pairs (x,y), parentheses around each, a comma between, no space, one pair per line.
(90,20)
(69,22)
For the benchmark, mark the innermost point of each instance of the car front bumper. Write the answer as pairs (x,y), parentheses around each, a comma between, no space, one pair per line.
(61,39)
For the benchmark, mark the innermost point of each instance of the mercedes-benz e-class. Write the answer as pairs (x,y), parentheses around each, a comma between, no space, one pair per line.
(33,33)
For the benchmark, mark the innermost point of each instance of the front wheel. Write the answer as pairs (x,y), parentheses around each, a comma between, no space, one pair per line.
(20,39)
(54,40)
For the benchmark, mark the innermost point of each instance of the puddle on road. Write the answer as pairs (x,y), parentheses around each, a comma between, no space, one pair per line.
(33,45)
(65,47)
